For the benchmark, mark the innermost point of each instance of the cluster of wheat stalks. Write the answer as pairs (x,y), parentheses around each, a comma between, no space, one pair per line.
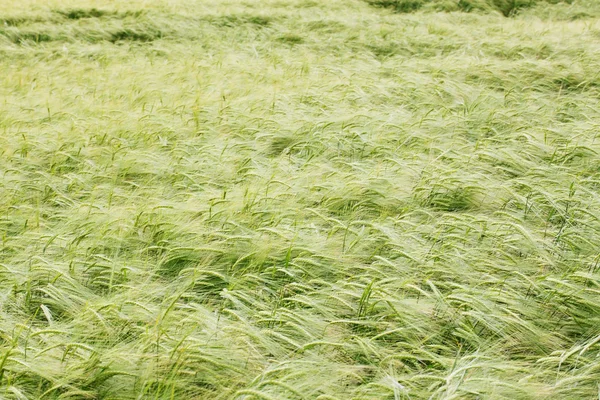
(296,199)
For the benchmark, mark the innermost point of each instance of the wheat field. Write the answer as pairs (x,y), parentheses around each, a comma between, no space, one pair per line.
(296,199)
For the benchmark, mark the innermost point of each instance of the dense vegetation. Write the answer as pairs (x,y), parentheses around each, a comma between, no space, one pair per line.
(506,7)
(293,199)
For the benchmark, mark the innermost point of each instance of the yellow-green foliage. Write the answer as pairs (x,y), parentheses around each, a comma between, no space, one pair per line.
(297,199)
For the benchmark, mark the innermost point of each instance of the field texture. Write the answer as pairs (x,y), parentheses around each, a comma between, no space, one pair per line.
(295,199)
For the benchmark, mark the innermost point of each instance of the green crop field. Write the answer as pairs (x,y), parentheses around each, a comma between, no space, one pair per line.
(297,199)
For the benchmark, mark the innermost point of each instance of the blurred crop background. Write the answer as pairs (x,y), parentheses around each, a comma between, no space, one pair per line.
(295,199)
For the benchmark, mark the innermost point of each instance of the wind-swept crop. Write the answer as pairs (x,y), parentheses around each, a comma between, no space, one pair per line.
(298,200)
